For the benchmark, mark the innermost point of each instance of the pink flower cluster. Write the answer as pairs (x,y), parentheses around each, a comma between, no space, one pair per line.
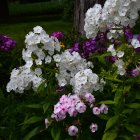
(74,104)
(70,104)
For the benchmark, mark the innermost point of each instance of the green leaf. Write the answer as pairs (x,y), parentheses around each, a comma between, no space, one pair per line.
(110,135)
(46,106)
(138,95)
(111,122)
(35,106)
(56,132)
(133,128)
(127,138)
(104,116)
(127,111)
(34,132)
(108,102)
(41,87)
(134,106)
(32,120)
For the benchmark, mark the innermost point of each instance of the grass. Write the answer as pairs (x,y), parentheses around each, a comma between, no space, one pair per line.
(52,7)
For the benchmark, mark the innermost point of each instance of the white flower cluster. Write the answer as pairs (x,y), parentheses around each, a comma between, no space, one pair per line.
(119,62)
(39,44)
(22,79)
(74,70)
(86,81)
(114,14)
(92,21)
(68,64)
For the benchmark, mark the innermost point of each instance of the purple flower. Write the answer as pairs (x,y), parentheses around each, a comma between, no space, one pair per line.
(135,72)
(128,33)
(58,35)
(101,36)
(111,59)
(6,43)
(76,47)
(72,130)
(60,89)
(93,127)
(137,49)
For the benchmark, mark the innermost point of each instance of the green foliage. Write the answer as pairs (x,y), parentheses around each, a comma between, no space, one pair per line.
(51,7)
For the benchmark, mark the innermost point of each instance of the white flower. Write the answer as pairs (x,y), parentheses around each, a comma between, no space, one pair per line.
(57,58)
(48,59)
(38,29)
(120,54)
(112,50)
(135,43)
(38,71)
(47,123)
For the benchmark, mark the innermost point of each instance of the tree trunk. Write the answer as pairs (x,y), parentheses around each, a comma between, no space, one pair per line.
(81,6)
(4,11)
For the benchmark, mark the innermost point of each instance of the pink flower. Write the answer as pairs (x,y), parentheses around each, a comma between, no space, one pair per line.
(89,98)
(93,127)
(72,130)
(81,107)
(96,111)
(104,109)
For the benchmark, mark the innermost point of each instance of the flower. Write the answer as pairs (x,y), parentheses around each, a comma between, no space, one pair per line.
(93,127)
(96,110)
(104,109)
(81,107)
(6,43)
(58,35)
(135,72)
(89,97)
(47,123)
(72,130)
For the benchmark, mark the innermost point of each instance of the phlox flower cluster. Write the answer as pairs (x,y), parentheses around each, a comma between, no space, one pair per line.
(74,104)
(6,43)
(119,61)
(74,70)
(114,14)
(91,46)
(23,78)
(39,50)
(87,81)
(39,43)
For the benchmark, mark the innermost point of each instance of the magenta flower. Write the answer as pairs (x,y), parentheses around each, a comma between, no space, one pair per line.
(58,35)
